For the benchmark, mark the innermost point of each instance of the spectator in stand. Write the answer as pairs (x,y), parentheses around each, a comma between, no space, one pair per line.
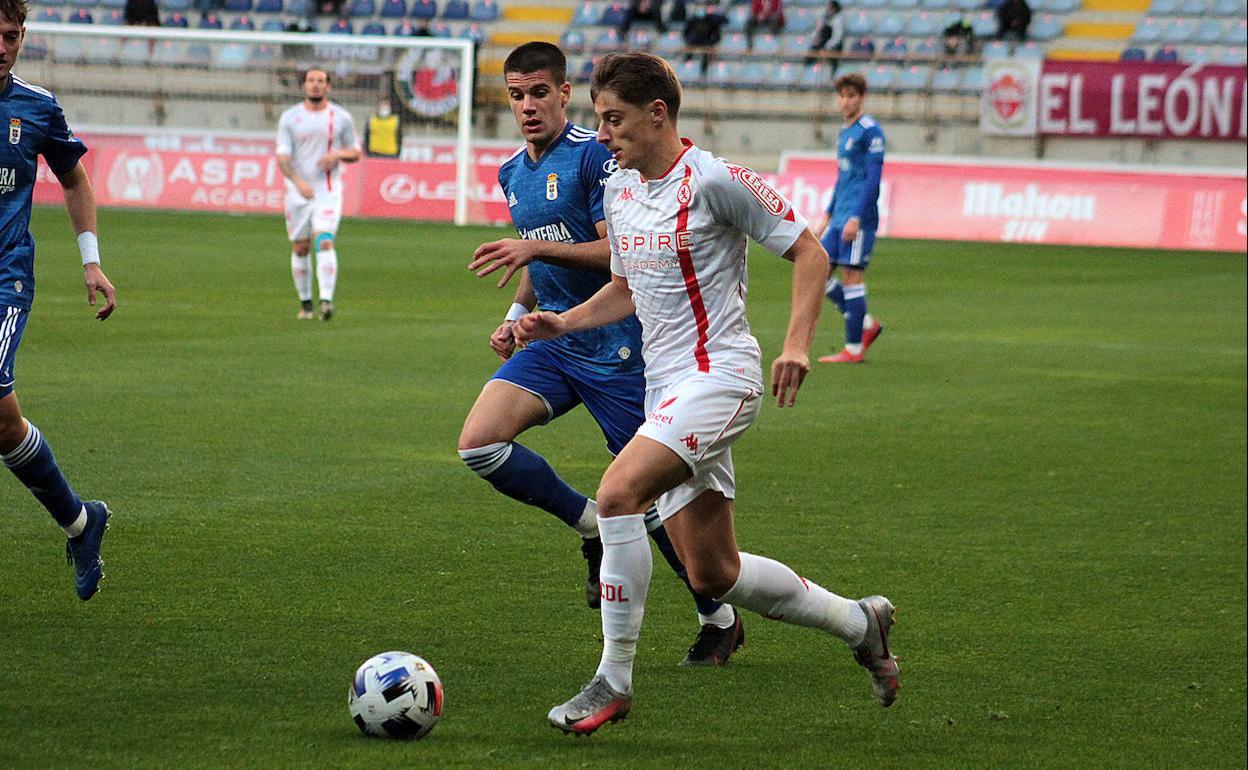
(830,36)
(959,39)
(142,13)
(643,10)
(678,13)
(703,31)
(767,14)
(1013,17)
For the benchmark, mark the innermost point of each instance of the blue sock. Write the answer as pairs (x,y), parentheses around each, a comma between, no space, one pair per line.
(855,312)
(706,605)
(524,475)
(836,293)
(33,464)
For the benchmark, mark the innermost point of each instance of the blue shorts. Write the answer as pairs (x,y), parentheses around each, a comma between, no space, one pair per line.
(12,323)
(855,253)
(616,401)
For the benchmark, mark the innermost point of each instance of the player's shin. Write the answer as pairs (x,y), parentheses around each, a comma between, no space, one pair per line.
(327,273)
(855,314)
(774,591)
(626,570)
(301,273)
(709,611)
(524,475)
(34,465)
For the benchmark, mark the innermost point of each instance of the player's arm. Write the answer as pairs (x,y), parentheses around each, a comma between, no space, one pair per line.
(874,167)
(80,202)
(515,253)
(348,152)
(288,171)
(613,302)
(810,273)
(503,340)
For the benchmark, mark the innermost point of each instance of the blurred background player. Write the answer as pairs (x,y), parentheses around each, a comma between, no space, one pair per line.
(37,126)
(678,223)
(851,219)
(314,138)
(553,187)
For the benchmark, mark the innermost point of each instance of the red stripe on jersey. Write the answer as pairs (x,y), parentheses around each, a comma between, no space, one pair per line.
(691,278)
(329,180)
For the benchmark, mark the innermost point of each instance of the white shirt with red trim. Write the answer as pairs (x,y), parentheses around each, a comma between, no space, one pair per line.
(681,241)
(306,136)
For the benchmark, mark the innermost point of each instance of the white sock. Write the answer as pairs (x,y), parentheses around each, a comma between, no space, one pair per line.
(724,617)
(587,525)
(301,271)
(855,348)
(868,321)
(80,524)
(625,578)
(773,590)
(327,273)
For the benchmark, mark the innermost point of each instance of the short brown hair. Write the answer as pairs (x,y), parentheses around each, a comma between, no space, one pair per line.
(15,11)
(306,72)
(538,56)
(853,80)
(637,78)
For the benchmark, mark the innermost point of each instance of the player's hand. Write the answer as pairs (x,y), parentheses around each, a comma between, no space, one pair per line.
(328,161)
(544,325)
(787,373)
(511,253)
(850,230)
(503,340)
(305,189)
(95,280)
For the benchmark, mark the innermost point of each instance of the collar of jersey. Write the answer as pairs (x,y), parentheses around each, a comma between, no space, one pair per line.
(532,164)
(688,145)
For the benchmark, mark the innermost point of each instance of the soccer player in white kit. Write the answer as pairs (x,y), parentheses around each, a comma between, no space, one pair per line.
(677,221)
(314,139)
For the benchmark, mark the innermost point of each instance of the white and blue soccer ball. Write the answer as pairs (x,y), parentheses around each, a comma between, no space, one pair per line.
(396,695)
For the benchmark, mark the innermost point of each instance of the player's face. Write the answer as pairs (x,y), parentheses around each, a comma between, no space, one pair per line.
(850,103)
(539,105)
(11,36)
(627,130)
(315,86)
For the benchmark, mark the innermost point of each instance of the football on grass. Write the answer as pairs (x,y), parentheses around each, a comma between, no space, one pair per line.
(396,695)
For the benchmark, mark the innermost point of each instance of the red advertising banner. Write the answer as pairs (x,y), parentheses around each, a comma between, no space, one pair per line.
(1142,99)
(979,201)
(919,198)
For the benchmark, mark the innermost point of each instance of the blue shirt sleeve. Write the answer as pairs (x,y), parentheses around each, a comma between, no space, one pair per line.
(874,168)
(596,166)
(60,147)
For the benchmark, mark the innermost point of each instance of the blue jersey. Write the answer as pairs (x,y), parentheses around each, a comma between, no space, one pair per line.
(559,198)
(860,162)
(36,126)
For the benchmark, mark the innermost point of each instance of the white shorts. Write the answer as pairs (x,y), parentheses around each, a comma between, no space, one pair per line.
(699,418)
(307,218)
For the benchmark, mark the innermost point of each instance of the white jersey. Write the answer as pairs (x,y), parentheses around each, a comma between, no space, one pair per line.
(306,136)
(680,241)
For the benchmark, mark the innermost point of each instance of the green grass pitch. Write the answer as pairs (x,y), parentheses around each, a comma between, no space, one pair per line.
(1042,464)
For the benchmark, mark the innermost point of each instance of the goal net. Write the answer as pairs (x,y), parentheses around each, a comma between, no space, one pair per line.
(186,118)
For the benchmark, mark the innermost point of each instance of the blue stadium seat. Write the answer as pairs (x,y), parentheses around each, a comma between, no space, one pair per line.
(178,6)
(966,6)
(301,7)
(45,4)
(424,9)
(80,16)
(1230,8)
(892,25)
(904,5)
(211,21)
(439,29)
(723,73)
(341,27)
(485,11)
(985,25)
(1045,27)
(572,41)
(269,6)
(669,43)
(1209,32)
(231,56)
(393,9)
(1149,30)
(237,6)
(587,15)
(639,39)
(923,24)
(608,40)
(972,80)
(801,21)
(858,23)
(883,77)
(273,25)
(1198,55)
(785,74)
(767,45)
(689,71)
(1064,6)
(118,4)
(112,18)
(896,47)
(48,15)
(362,9)
(1030,49)
(913,78)
(1166,53)
(1231,57)
(374,28)
(945,80)
(1181,30)
(1134,53)
(243,23)
(816,75)
(169,52)
(754,74)
(474,32)
(84,3)
(996,49)
(872,4)
(937,5)
(928,47)
(1163,8)
(735,44)
(176,21)
(103,51)
(738,17)
(1194,8)
(612,15)
(455,10)
(1236,34)
(863,46)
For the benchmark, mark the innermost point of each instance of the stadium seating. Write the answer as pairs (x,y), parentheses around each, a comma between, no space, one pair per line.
(362,9)
(485,11)
(49,16)
(268,6)
(236,6)
(176,21)
(211,21)
(80,16)
(374,28)
(455,10)
(424,9)
(112,18)
(393,9)
(243,23)
(1166,53)
(341,27)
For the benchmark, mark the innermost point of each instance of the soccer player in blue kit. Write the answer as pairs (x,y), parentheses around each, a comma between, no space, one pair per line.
(852,217)
(554,190)
(37,126)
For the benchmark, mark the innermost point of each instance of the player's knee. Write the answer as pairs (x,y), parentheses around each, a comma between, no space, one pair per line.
(301,249)
(617,499)
(485,459)
(324,242)
(12,429)
(711,578)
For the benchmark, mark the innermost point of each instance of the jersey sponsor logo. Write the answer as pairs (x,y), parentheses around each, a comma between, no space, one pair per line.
(136,177)
(552,186)
(762,191)
(668,402)
(398,189)
(15,130)
(555,231)
(652,241)
(8,180)
(660,419)
(610,166)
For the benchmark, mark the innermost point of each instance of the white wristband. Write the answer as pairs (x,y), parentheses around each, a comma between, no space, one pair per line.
(89,247)
(517,310)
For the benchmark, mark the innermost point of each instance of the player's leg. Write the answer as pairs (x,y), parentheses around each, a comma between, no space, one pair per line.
(617,404)
(28,456)
(861,329)
(325,220)
(526,391)
(833,290)
(298,230)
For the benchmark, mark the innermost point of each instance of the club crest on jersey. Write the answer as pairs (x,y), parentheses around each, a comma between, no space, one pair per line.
(552,186)
(767,196)
(15,130)
(684,194)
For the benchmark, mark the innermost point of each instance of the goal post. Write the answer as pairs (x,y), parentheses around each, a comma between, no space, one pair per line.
(237,82)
